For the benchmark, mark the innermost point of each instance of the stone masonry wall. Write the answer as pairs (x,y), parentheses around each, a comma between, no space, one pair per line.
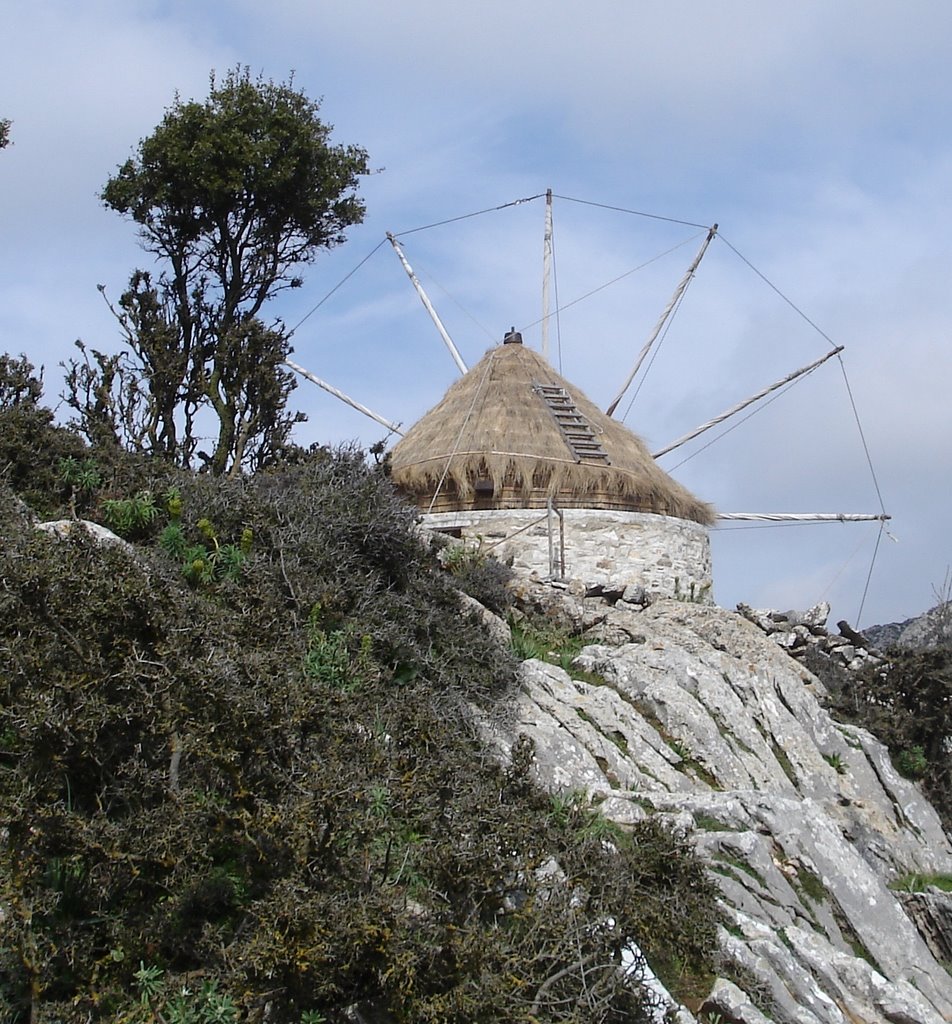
(664,555)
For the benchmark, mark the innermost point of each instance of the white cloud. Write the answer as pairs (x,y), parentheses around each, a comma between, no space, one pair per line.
(815,133)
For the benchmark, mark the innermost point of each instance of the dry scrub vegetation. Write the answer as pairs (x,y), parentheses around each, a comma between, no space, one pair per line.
(239,781)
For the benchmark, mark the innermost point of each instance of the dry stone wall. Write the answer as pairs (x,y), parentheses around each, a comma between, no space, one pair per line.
(803,635)
(666,556)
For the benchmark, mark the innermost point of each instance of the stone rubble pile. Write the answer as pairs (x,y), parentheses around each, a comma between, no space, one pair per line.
(804,634)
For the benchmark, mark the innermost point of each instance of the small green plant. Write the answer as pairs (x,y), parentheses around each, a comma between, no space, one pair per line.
(724,861)
(173,541)
(784,761)
(545,642)
(620,740)
(597,826)
(811,885)
(209,562)
(564,805)
(836,762)
(149,982)
(82,477)
(920,882)
(181,1005)
(173,503)
(378,798)
(81,474)
(681,749)
(339,658)
(708,823)
(129,517)
(478,574)
(912,762)
(459,558)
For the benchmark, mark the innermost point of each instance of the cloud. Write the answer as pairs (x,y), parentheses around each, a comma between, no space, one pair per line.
(814,133)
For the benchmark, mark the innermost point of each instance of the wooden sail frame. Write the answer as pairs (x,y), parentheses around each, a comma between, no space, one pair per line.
(548,274)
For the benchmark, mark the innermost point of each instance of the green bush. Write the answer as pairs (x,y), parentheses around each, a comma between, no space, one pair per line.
(913,762)
(480,575)
(273,785)
(907,703)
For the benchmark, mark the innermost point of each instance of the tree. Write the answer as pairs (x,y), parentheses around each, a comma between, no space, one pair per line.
(231,196)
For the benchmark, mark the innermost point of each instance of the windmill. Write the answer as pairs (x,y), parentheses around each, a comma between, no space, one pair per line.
(517,458)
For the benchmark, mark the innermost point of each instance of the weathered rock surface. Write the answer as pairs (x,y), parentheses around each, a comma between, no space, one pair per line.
(66,527)
(927,630)
(805,637)
(803,820)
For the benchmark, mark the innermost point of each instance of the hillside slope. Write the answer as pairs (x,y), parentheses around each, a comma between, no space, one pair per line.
(261,761)
(927,630)
(802,820)
(240,779)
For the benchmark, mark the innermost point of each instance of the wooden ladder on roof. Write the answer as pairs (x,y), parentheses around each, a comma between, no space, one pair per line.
(575,428)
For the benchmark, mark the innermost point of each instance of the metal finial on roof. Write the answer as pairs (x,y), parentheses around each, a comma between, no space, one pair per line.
(513,337)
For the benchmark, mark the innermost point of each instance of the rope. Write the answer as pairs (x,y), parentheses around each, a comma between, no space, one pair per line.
(462,429)
(466,216)
(869,575)
(634,213)
(744,419)
(522,529)
(839,572)
(608,284)
(775,289)
(425,273)
(558,308)
(336,286)
(852,401)
(862,435)
(656,350)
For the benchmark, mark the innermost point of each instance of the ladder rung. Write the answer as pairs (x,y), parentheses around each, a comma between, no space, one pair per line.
(576,430)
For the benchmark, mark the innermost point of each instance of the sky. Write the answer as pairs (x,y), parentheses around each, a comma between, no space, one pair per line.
(816,135)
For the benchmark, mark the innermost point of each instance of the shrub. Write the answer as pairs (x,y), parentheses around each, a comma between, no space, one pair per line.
(480,575)
(907,703)
(274,782)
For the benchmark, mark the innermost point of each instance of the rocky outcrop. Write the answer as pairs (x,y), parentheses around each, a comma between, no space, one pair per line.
(931,910)
(804,636)
(63,528)
(696,712)
(927,630)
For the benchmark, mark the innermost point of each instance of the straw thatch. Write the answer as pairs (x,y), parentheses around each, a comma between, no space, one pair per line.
(492,442)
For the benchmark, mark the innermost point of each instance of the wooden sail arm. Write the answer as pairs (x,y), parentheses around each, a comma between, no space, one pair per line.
(748,401)
(331,390)
(678,292)
(804,517)
(425,299)
(546,274)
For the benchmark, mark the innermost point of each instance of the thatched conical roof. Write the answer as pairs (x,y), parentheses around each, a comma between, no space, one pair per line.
(495,442)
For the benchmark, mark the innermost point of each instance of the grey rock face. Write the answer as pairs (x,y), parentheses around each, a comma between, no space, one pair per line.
(926,630)
(931,911)
(65,527)
(803,820)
